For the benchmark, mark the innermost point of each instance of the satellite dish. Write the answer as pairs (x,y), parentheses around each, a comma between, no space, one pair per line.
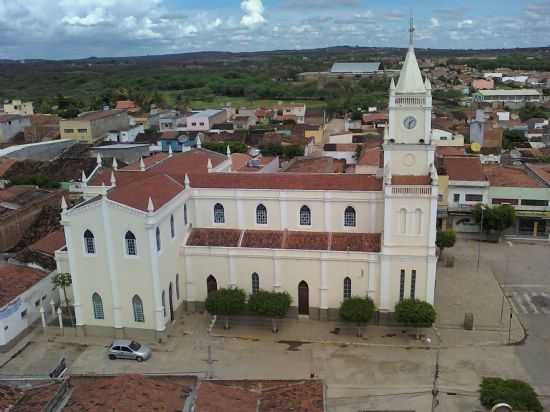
(476,147)
(501,407)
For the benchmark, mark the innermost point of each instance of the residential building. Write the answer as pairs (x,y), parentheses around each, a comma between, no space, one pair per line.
(19,107)
(23,293)
(43,127)
(485,131)
(204,120)
(94,126)
(482,84)
(125,135)
(290,112)
(128,105)
(11,125)
(245,122)
(157,236)
(442,138)
(508,96)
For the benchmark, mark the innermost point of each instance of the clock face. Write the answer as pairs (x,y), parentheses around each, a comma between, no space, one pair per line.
(409,122)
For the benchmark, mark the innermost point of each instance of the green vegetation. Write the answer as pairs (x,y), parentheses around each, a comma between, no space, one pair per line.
(358,310)
(497,218)
(226,302)
(270,304)
(221,147)
(518,394)
(35,180)
(532,110)
(512,138)
(445,239)
(286,152)
(514,61)
(63,281)
(414,312)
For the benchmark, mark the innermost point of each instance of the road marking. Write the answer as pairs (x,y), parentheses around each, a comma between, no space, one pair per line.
(517,298)
(531,304)
(513,285)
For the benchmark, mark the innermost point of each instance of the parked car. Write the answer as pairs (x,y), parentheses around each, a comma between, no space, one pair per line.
(129,349)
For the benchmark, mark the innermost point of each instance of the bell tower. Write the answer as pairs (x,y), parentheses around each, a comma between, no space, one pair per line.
(410,119)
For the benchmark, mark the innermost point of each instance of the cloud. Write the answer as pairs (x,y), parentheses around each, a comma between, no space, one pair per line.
(464,23)
(320,4)
(253,13)
(435,22)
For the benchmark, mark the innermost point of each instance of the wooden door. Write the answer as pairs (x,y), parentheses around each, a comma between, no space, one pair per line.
(170,301)
(211,284)
(303,298)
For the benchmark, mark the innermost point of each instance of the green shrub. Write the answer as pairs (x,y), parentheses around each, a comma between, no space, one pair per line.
(270,304)
(357,309)
(414,312)
(226,302)
(518,394)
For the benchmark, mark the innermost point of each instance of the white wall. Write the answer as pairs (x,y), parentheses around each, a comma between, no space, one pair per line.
(10,128)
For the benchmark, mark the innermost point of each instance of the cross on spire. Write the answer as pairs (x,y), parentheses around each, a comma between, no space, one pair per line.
(411,32)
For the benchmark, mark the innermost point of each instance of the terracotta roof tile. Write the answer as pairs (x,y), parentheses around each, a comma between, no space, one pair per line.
(504,176)
(293,396)
(213,397)
(50,243)
(405,180)
(316,165)
(135,393)
(370,156)
(14,280)
(169,135)
(464,168)
(542,170)
(5,164)
(160,188)
(269,239)
(126,104)
(36,398)
(356,242)
(287,181)
(307,240)
(214,237)
(443,151)
(9,395)
(239,160)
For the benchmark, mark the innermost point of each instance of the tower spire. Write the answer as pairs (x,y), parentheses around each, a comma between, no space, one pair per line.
(411,32)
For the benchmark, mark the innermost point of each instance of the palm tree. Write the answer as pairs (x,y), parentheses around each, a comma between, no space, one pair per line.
(64,280)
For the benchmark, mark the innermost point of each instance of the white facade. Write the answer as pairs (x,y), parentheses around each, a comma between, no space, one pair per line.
(126,135)
(203,121)
(165,269)
(10,125)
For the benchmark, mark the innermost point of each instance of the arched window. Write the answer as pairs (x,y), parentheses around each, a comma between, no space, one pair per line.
(418,221)
(347,288)
(255,283)
(305,216)
(157,236)
(185,213)
(219,215)
(97,304)
(163,297)
(261,215)
(178,286)
(349,217)
(403,220)
(131,246)
(172,227)
(137,305)
(89,242)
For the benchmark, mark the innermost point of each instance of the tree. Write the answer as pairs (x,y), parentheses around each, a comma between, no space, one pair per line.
(512,138)
(358,310)
(414,312)
(518,394)
(226,302)
(531,110)
(63,281)
(445,239)
(270,304)
(497,218)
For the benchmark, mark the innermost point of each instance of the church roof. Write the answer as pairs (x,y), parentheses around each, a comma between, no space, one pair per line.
(410,78)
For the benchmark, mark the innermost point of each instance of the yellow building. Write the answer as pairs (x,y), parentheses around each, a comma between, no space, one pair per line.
(316,134)
(19,107)
(93,126)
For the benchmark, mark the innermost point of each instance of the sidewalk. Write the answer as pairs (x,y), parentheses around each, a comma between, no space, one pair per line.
(463,288)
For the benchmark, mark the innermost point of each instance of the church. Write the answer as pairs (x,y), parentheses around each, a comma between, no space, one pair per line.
(153,238)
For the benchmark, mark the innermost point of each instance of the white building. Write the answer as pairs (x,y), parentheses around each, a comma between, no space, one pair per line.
(12,124)
(19,107)
(24,291)
(290,111)
(157,236)
(204,120)
(126,134)
(508,96)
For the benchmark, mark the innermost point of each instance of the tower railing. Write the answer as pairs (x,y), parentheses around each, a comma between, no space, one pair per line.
(410,100)
(417,190)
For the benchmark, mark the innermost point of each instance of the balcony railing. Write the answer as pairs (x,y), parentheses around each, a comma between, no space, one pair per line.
(412,190)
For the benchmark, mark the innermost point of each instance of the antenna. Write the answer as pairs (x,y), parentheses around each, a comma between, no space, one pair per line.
(411,31)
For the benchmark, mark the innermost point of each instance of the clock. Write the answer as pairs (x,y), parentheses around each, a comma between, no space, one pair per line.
(409,122)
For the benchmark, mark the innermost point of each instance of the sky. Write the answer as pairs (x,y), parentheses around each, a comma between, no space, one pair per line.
(58,29)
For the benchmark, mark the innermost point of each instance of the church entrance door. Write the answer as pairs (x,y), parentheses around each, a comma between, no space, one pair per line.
(303,298)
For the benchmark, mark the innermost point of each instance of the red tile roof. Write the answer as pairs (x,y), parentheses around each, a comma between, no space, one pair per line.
(160,188)
(135,393)
(169,135)
(443,151)
(15,279)
(50,243)
(214,237)
(212,397)
(375,117)
(126,104)
(506,176)
(405,180)
(464,168)
(370,156)
(37,398)
(287,181)
(285,239)
(542,170)
(316,165)
(239,160)
(5,164)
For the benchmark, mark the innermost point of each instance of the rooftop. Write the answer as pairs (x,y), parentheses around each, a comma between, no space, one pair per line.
(285,239)
(50,243)
(510,92)
(14,280)
(316,165)
(464,169)
(506,176)
(365,67)
(206,113)
(541,170)
(92,116)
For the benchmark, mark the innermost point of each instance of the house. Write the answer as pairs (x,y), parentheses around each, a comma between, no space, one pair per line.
(204,120)
(447,138)
(18,107)
(43,127)
(245,122)
(152,239)
(128,105)
(11,125)
(290,111)
(485,131)
(519,96)
(94,126)
(375,120)
(126,134)
(23,292)
(528,195)
(482,84)
(514,79)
